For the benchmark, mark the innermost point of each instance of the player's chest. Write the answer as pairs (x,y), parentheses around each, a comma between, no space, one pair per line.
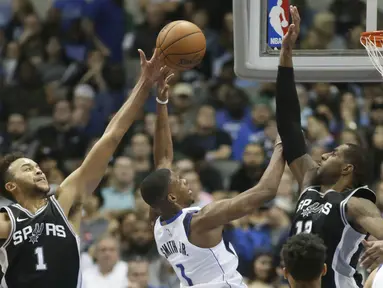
(33,231)
(314,208)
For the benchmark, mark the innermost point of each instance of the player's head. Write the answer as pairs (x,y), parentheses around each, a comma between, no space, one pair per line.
(347,161)
(304,257)
(21,176)
(164,189)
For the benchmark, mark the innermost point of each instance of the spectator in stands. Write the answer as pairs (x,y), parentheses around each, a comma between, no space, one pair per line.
(10,62)
(376,151)
(138,273)
(16,137)
(182,101)
(215,142)
(141,153)
(55,61)
(20,9)
(318,131)
(28,90)
(263,272)
(108,271)
(127,222)
(252,131)
(93,224)
(61,137)
(119,194)
(234,113)
(201,197)
(251,170)
(141,241)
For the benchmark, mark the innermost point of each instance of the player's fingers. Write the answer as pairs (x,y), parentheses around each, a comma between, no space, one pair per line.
(366,244)
(291,29)
(167,80)
(142,57)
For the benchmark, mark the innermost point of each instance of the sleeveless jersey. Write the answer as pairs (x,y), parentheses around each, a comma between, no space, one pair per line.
(378,280)
(325,215)
(197,267)
(41,251)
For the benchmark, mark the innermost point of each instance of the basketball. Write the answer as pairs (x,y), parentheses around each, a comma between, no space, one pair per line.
(182,44)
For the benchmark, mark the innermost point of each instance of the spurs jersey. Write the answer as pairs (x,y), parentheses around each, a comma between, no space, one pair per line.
(196,267)
(378,280)
(41,251)
(325,215)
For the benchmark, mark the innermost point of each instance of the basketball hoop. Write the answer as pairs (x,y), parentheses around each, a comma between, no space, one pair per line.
(373,42)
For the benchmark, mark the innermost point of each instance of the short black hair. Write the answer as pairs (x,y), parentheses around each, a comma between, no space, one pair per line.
(5,176)
(304,256)
(355,155)
(154,187)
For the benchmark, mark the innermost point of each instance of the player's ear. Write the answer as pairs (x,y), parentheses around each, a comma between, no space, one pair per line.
(324,271)
(10,186)
(347,169)
(172,198)
(285,272)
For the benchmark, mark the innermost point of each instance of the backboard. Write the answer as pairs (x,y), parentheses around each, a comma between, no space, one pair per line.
(328,48)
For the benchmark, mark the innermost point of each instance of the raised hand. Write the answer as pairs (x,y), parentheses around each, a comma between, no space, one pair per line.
(292,34)
(373,254)
(163,83)
(151,69)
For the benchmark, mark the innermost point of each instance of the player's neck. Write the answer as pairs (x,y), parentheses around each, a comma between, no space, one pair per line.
(31,204)
(339,186)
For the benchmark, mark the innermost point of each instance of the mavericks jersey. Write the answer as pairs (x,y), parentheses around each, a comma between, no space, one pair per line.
(41,251)
(325,215)
(378,280)
(198,267)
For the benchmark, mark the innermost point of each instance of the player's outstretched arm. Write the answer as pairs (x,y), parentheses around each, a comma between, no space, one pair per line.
(288,111)
(219,213)
(365,216)
(88,176)
(163,144)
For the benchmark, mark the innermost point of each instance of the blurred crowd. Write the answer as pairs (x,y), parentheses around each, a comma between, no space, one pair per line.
(64,74)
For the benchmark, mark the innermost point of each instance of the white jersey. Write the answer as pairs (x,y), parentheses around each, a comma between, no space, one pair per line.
(378,280)
(214,267)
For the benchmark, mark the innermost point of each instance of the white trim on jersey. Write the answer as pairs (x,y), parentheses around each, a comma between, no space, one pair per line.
(3,252)
(26,211)
(347,247)
(61,211)
(378,279)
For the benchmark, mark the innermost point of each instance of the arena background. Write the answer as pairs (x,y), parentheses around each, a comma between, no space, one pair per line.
(61,81)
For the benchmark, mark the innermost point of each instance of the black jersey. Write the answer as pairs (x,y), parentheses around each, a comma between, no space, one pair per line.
(325,215)
(41,251)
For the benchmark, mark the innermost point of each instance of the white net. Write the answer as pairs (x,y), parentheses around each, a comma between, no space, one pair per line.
(373,45)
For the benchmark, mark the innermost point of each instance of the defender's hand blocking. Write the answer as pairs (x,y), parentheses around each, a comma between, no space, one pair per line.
(292,34)
(373,254)
(151,69)
(163,83)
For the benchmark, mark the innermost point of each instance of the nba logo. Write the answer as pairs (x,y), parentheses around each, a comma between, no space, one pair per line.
(277,23)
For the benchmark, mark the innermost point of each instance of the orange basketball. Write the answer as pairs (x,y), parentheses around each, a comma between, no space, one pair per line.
(182,44)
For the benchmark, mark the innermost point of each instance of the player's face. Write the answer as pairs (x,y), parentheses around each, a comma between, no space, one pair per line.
(331,166)
(27,177)
(181,191)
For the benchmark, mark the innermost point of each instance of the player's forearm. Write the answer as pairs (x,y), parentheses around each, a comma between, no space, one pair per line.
(124,118)
(163,144)
(272,176)
(267,187)
(288,114)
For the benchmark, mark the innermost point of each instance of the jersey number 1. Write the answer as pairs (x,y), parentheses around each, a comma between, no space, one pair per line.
(39,252)
(304,226)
